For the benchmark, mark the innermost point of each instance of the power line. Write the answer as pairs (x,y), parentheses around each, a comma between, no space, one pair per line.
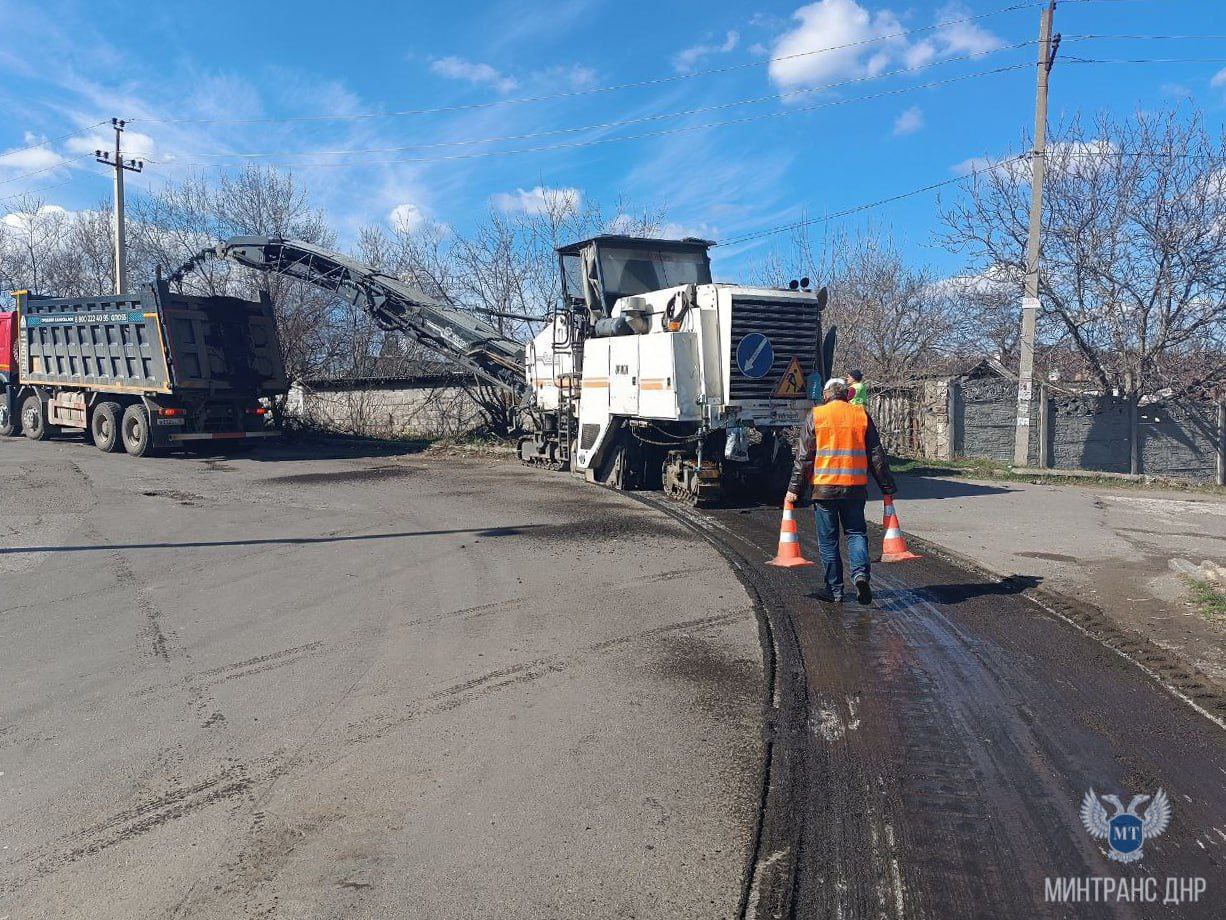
(1081,60)
(659,116)
(616,87)
(31,191)
(1052,156)
(787,113)
(760,234)
(53,140)
(1147,38)
(60,165)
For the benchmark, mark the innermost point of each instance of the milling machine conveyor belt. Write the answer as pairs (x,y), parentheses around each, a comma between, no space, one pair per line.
(396,306)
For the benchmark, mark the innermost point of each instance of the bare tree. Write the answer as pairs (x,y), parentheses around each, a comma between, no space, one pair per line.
(504,271)
(33,250)
(896,321)
(169,226)
(1134,248)
(90,247)
(985,314)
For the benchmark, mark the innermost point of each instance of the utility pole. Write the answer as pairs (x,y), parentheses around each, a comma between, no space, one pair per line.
(1030,299)
(117,161)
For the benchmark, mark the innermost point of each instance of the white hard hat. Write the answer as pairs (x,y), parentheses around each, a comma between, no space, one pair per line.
(834,383)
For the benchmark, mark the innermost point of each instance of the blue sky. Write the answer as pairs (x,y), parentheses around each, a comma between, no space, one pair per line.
(175,69)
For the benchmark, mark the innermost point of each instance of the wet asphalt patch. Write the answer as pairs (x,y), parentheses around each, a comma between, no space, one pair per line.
(367,474)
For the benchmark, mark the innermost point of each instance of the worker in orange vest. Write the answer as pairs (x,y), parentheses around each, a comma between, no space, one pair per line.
(838,448)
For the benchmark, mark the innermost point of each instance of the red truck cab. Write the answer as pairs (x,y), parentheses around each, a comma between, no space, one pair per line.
(8,347)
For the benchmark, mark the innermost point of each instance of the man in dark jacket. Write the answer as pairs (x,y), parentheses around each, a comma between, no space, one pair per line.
(838,448)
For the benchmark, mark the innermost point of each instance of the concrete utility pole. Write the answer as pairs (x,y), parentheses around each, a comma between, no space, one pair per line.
(117,161)
(1030,299)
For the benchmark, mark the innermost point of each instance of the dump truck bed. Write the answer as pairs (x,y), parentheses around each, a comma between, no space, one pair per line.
(151,342)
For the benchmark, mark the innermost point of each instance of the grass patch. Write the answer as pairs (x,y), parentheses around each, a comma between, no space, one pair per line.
(916,467)
(1208,598)
(994,469)
(474,445)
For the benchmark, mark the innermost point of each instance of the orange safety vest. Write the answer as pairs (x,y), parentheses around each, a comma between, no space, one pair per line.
(840,454)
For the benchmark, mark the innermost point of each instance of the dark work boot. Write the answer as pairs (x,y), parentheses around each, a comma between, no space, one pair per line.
(864,591)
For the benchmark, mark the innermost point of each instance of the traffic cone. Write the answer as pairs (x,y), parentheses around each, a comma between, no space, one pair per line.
(894,547)
(789,541)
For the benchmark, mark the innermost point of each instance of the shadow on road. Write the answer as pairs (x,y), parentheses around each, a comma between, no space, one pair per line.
(959,593)
(291,449)
(924,482)
(517,530)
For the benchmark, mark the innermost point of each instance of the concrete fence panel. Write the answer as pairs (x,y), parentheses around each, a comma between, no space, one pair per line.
(1179,439)
(986,422)
(1089,433)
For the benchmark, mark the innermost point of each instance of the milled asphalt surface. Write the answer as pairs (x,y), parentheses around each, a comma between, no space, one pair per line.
(1110,546)
(300,685)
(930,753)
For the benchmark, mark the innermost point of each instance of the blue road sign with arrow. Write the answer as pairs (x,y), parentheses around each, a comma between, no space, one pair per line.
(754,356)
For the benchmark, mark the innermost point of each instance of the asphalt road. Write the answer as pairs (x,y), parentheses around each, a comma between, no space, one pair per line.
(298,686)
(396,687)
(929,755)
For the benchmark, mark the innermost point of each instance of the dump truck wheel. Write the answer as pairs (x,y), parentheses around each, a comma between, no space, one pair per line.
(34,419)
(10,424)
(104,426)
(137,432)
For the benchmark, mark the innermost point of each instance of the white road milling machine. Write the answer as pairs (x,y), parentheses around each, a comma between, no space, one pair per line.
(652,376)
(648,375)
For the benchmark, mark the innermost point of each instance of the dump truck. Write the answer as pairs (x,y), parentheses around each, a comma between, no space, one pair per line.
(140,372)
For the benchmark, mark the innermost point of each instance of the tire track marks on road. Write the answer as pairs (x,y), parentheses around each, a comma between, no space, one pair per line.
(178,801)
(499,680)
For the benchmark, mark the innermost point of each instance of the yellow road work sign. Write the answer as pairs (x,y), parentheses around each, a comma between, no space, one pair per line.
(792,384)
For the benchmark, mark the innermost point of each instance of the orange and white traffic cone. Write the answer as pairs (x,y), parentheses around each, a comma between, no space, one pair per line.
(894,547)
(789,541)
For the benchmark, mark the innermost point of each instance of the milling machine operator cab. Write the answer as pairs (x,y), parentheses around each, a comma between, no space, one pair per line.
(597,271)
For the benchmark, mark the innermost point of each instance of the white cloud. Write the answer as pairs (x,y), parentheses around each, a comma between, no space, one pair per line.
(475,72)
(874,43)
(920,54)
(971,165)
(676,231)
(30,159)
(537,200)
(1219,79)
(576,76)
(134,144)
(963,37)
(909,122)
(406,217)
(765,21)
(826,24)
(24,221)
(686,60)
(1079,158)
(1073,158)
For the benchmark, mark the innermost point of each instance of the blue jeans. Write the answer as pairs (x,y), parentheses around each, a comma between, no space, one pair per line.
(829,516)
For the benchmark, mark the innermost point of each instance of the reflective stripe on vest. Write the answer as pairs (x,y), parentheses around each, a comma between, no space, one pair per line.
(840,456)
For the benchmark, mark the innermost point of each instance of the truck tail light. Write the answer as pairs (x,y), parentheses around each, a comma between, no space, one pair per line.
(259,410)
(171,413)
